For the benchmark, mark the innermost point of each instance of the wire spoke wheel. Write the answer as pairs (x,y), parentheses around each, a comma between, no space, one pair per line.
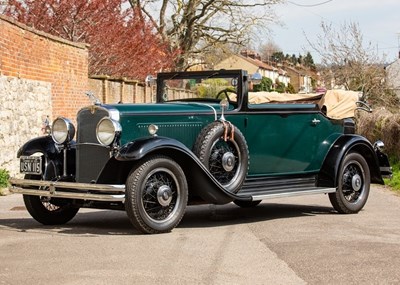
(156,195)
(353,185)
(353,182)
(46,201)
(224,161)
(226,157)
(160,194)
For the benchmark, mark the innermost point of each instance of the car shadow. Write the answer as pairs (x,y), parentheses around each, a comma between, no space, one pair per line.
(85,223)
(214,216)
(108,222)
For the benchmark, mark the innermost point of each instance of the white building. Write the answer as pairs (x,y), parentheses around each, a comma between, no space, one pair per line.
(393,76)
(253,65)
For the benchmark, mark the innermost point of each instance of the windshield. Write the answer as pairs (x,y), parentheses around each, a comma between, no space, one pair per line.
(210,88)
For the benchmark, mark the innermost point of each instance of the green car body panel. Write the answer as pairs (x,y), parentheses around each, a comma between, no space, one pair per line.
(302,151)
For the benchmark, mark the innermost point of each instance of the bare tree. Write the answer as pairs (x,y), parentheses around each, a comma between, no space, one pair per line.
(268,49)
(350,63)
(193,27)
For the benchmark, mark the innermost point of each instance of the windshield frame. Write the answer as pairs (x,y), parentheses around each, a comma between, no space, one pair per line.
(241,75)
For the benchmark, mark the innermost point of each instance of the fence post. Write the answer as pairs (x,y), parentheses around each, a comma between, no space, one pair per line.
(122,90)
(105,89)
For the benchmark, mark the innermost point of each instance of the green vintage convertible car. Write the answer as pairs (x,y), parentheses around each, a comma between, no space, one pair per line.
(208,139)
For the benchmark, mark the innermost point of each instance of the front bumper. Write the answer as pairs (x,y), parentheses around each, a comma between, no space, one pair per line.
(69,190)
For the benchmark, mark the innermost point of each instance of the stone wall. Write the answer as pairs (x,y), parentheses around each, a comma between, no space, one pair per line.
(18,122)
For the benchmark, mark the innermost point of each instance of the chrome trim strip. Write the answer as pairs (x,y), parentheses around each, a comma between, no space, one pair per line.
(212,108)
(198,104)
(386,172)
(385,169)
(295,193)
(56,190)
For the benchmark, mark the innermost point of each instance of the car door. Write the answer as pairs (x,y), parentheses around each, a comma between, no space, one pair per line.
(287,138)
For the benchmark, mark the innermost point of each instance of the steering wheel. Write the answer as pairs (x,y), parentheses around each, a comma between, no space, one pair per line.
(225,92)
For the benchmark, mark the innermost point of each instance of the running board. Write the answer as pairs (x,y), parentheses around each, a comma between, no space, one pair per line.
(261,195)
(277,187)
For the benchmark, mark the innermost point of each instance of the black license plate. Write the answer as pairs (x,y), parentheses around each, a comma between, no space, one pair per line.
(31,165)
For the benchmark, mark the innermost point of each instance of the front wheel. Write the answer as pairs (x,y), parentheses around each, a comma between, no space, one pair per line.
(353,185)
(156,195)
(49,211)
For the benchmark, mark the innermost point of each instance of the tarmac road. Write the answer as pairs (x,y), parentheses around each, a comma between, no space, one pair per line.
(282,241)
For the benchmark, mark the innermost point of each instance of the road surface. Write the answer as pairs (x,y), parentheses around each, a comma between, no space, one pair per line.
(282,241)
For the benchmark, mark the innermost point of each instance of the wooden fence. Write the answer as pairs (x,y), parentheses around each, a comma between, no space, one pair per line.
(121,90)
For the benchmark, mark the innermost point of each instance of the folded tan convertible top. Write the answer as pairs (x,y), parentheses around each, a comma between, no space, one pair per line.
(337,104)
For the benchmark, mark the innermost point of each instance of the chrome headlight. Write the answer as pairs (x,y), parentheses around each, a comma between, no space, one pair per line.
(62,130)
(107,131)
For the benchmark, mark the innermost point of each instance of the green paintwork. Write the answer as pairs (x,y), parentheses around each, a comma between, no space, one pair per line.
(181,121)
(289,144)
(281,137)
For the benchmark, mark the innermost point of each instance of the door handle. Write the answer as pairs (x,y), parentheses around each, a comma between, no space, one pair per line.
(315,122)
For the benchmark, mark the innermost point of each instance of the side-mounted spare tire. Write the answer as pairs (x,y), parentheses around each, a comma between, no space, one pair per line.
(222,148)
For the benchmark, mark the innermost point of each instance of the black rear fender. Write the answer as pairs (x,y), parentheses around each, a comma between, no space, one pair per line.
(201,183)
(344,145)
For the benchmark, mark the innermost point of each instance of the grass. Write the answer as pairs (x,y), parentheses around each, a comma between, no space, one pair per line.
(394,183)
(4,176)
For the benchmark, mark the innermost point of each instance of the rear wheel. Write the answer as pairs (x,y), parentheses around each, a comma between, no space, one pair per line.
(156,195)
(353,185)
(49,211)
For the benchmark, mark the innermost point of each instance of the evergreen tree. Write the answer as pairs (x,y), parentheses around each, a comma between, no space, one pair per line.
(308,61)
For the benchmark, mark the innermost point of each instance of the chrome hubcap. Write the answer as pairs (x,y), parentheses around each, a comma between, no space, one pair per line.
(164,195)
(356,182)
(228,161)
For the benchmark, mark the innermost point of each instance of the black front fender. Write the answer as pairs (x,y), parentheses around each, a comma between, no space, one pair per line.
(138,149)
(43,145)
(200,180)
(53,157)
(343,145)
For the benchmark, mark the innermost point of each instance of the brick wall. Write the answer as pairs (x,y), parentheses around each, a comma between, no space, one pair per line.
(31,54)
(40,76)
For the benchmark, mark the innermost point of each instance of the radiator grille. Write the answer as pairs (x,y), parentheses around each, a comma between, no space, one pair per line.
(90,156)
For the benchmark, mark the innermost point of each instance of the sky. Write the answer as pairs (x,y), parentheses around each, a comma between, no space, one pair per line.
(378,20)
